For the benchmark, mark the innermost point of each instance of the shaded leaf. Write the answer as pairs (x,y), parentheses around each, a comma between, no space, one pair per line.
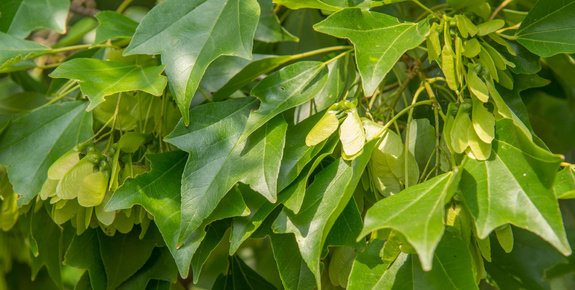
(34,141)
(417,212)
(368,267)
(218,161)
(14,50)
(269,27)
(241,276)
(20,17)
(47,236)
(196,33)
(452,264)
(324,201)
(282,90)
(160,266)
(549,28)
(379,40)
(518,190)
(84,253)
(565,183)
(294,272)
(113,25)
(123,255)
(99,78)
(158,192)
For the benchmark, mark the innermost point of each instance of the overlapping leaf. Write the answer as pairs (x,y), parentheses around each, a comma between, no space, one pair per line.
(98,78)
(549,28)
(34,141)
(195,34)
(113,25)
(14,50)
(19,17)
(218,160)
(289,87)
(515,186)
(417,213)
(324,201)
(379,40)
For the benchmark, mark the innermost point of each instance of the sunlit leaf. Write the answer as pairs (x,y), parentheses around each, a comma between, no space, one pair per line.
(379,40)
(196,33)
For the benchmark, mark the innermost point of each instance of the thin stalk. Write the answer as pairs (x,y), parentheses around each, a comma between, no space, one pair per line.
(338,57)
(499,8)
(407,128)
(123,6)
(73,47)
(423,6)
(319,51)
(205,95)
(405,110)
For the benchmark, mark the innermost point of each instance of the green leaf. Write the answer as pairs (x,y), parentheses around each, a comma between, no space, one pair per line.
(214,235)
(379,40)
(324,201)
(21,102)
(294,272)
(113,25)
(352,134)
(368,267)
(160,266)
(218,160)
(248,74)
(452,264)
(99,78)
(323,129)
(527,266)
(269,27)
(34,141)
(196,33)
(289,87)
(84,253)
(13,49)
(123,255)
(565,183)
(47,236)
(422,142)
(549,28)
(346,228)
(490,26)
(417,212)
(328,5)
(525,175)
(240,276)
(158,192)
(20,17)
(297,152)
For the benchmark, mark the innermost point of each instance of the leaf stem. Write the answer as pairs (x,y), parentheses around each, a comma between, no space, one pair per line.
(338,57)
(405,110)
(422,6)
(318,51)
(123,6)
(499,8)
(205,95)
(73,47)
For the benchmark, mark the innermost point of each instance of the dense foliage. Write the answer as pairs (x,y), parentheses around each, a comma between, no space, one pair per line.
(300,144)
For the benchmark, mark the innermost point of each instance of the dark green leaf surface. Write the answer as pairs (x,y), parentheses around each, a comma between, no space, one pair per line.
(159,193)
(46,235)
(123,255)
(328,5)
(549,28)
(13,50)
(417,212)
(289,87)
(19,17)
(269,27)
(452,266)
(248,74)
(160,266)
(113,25)
(368,267)
(34,141)
(240,276)
(379,40)
(84,253)
(196,33)
(347,228)
(218,161)
(98,78)
(294,272)
(324,201)
(515,186)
